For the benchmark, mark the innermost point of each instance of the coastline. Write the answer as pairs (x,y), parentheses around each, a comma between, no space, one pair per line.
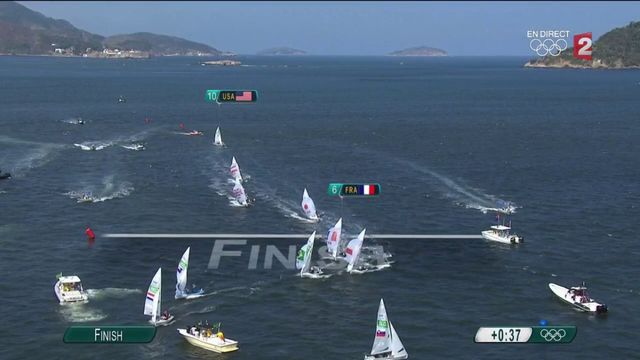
(565,64)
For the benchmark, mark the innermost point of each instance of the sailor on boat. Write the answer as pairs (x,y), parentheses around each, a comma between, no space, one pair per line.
(165,315)
(578,297)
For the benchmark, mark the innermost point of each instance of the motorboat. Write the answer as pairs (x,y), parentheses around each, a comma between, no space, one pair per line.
(501,233)
(68,289)
(207,339)
(578,297)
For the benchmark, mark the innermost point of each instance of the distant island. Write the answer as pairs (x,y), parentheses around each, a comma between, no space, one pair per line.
(617,49)
(27,32)
(282,51)
(419,51)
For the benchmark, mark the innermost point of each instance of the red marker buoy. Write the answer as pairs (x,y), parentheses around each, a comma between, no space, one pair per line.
(90,234)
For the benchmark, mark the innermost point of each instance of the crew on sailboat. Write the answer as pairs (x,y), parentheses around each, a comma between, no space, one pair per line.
(165,315)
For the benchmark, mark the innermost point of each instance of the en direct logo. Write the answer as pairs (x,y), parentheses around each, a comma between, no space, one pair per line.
(583,46)
(548,42)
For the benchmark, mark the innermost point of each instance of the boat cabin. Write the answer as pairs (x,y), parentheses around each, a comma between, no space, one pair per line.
(70,283)
(501,230)
(579,293)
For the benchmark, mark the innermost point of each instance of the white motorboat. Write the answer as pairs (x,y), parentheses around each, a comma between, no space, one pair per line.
(578,297)
(153,302)
(206,339)
(217,140)
(501,233)
(68,289)
(181,283)
(308,207)
(386,343)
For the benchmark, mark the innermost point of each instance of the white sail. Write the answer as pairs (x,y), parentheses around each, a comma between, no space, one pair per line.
(353,250)
(308,206)
(239,193)
(333,238)
(152,302)
(382,340)
(397,349)
(303,261)
(235,170)
(181,273)
(218,138)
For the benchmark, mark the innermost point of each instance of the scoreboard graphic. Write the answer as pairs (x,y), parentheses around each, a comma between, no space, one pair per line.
(231,96)
(354,189)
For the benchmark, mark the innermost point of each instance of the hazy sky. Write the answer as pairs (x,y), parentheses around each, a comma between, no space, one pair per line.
(348,28)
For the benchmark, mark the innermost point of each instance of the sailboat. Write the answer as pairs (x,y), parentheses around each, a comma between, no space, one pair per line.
(153,303)
(308,206)
(353,250)
(181,275)
(333,239)
(239,194)
(235,170)
(386,344)
(303,261)
(217,140)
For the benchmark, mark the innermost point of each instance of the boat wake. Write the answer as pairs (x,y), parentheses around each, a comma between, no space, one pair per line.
(93,145)
(117,293)
(78,313)
(370,269)
(74,120)
(315,276)
(109,190)
(462,194)
(134,147)
(131,142)
(20,156)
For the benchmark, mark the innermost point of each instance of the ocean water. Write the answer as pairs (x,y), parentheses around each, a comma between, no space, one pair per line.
(445,138)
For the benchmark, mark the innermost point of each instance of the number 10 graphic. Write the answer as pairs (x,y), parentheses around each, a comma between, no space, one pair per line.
(582,46)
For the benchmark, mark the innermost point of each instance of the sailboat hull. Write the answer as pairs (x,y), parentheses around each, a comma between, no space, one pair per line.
(189,296)
(386,357)
(164,322)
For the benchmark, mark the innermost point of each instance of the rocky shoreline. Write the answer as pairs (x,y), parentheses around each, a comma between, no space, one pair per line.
(569,64)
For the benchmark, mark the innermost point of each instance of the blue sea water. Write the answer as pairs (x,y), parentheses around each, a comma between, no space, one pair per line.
(445,138)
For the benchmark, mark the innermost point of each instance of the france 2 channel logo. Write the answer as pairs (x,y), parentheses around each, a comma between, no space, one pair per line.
(583,46)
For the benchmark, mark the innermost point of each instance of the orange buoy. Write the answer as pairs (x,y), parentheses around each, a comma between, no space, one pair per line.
(90,234)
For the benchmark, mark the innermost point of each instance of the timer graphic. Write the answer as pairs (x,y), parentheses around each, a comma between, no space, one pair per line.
(526,334)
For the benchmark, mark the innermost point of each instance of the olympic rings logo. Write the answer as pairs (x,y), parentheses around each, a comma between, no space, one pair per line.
(553,334)
(548,46)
